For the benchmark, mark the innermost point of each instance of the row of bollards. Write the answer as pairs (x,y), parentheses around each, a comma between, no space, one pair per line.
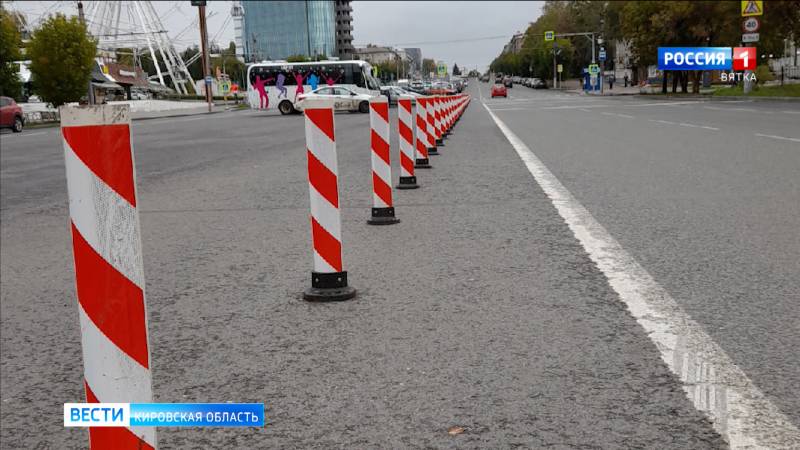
(433,117)
(107,248)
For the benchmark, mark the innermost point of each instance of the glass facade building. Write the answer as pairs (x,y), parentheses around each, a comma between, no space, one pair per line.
(279,29)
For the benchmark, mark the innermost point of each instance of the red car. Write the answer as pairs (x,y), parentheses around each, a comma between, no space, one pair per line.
(11,114)
(499,90)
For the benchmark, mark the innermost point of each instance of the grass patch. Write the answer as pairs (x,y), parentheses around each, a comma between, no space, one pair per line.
(788,90)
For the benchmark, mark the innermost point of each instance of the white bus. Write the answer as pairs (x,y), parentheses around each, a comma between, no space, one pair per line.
(277,84)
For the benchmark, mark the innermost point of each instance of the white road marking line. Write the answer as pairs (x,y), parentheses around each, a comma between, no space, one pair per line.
(578,106)
(617,115)
(584,110)
(666,103)
(790,112)
(739,411)
(783,138)
(749,110)
(684,124)
(512,109)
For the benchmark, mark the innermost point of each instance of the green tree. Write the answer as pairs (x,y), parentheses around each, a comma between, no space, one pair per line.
(428,66)
(196,67)
(62,56)
(456,70)
(9,52)
(297,58)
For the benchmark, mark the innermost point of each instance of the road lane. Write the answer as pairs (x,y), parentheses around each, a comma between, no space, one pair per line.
(711,214)
(479,309)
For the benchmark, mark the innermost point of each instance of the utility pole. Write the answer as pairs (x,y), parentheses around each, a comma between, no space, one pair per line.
(90,90)
(201,7)
(555,74)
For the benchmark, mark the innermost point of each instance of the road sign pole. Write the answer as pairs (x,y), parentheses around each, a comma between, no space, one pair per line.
(204,44)
(555,74)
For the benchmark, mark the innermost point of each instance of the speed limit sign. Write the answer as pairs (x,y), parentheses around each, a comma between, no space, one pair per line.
(750,25)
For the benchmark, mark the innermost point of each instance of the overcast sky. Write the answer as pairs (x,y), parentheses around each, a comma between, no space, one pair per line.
(481,27)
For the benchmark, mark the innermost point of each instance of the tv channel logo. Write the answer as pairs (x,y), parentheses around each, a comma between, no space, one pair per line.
(744,58)
(164,415)
(694,58)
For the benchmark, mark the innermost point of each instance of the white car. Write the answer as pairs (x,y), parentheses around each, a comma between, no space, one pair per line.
(343,99)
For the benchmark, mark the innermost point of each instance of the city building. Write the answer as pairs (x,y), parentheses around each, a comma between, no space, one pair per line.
(375,54)
(344,29)
(278,29)
(237,12)
(515,44)
(415,55)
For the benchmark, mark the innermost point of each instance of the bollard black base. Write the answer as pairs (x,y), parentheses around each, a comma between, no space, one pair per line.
(329,287)
(407,183)
(433,151)
(439,142)
(383,216)
(422,163)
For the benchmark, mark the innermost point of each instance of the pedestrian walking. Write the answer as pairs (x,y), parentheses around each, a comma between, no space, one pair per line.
(626,80)
(611,82)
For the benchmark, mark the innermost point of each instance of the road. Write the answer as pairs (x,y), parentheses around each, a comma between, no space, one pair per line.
(483,308)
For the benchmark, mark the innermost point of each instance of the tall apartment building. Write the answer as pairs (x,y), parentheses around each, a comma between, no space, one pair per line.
(279,29)
(344,29)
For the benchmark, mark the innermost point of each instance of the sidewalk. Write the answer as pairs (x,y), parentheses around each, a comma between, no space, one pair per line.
(48,118)
(618,90)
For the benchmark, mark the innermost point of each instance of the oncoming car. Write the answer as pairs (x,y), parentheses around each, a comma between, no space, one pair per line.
(499,90)
(342,98)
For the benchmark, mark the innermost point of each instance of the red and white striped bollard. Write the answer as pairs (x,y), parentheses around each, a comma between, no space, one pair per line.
(109,273)
(437,114)
(328,279)
(405,130)
(382,206)
(430,118)
(422,161)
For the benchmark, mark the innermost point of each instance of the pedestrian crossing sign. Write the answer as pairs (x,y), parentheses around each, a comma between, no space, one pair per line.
(549,35)
(594,69)
(752,8)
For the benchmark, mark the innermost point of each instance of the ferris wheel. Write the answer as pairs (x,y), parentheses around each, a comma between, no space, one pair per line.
(135,25)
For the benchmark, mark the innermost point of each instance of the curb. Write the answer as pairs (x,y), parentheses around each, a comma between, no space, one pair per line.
(57,123)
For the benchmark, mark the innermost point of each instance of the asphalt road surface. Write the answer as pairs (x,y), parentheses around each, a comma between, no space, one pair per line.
(481,309)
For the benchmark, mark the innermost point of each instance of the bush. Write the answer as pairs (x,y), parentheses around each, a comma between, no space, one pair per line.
(764,74)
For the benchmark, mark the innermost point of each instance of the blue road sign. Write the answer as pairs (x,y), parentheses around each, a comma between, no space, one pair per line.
(694,58)
(602,55)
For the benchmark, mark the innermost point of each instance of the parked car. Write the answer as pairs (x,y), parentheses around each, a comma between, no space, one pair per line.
(393,93)
(508,82)
(539,83)
(343,99)
(11,115)
(499,90)
(34,99)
